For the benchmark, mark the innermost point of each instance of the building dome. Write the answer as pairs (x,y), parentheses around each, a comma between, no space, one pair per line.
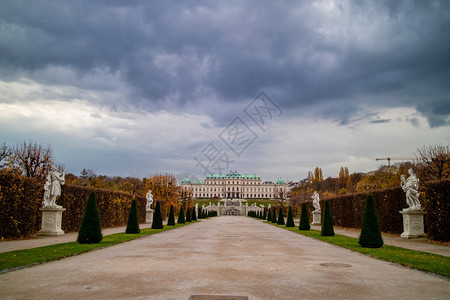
(186,180)
(280,181)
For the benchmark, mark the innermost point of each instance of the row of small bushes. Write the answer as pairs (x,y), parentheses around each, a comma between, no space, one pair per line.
(21,198)
(113,207)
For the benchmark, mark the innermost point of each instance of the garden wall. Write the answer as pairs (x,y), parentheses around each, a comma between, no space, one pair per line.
(21,198)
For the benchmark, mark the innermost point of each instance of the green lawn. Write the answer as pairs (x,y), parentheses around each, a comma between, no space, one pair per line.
(21,258)
(420,260)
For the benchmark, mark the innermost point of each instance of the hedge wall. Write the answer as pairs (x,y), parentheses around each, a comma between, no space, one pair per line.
(437,205)
(347,210)
(21,198)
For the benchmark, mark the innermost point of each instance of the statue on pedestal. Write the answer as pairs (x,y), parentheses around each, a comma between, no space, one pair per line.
(316,199)
(149,197)
(411,188)
(52,187)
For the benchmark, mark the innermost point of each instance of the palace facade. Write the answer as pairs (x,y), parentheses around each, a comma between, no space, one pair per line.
(235,186)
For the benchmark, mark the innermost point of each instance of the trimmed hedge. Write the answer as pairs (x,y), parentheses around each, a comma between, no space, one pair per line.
(348,210)
(327,221)
(21,198)
(370,236)
(304,219)
(91,227)
(437,205)
(133,219)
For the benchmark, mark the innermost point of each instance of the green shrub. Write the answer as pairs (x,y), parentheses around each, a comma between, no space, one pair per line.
(194,215)
(157,218)
(370,236)
(181,219)
(327,222)
(133,219)
(290,218)
(437,204)
(171,220)
(91,230)
(188,215)
(274,216)
(269,215)
(200,213)
(304,219)
(280,217)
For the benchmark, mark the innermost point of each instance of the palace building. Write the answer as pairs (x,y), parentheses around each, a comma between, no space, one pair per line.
(235,186)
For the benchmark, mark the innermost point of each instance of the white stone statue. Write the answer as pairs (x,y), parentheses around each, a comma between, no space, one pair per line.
(316,199)
(218,203)
(411,188)
(52,187)
(196,209)
(246,204)
(269,206)
(209,203)
(149,197)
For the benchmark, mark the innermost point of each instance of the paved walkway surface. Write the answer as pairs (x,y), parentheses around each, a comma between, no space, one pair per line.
(415,244)
(228,255)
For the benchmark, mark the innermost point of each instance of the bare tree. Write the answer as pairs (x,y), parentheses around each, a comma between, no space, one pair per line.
(5,153)
(33,159)
(433,162)
(282,195)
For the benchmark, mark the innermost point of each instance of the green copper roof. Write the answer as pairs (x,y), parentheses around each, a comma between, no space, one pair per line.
(251,176)
(280,181)
(186,180)
(215,176)
(233,174)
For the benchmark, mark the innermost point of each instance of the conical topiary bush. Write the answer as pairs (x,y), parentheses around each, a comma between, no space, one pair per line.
(280,220)
(327,223)
(370,230)
(133,219)
(200,214)
(90,230)
(181,219)
(274,216)
(171,220)
(194,215)
(269,215)
(304,219)
(157,218)
(188,215)
(290,218)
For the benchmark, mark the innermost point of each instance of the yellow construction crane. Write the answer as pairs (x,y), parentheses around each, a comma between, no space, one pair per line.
(394,158)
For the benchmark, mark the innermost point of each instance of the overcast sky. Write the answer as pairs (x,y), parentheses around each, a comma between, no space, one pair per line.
(133,88)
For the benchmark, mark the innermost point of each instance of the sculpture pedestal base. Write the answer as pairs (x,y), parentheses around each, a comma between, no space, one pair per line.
(149,216)
(317,218)
(413,224)
(51,221)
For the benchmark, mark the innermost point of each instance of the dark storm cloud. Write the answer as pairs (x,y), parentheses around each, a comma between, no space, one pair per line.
(356,55)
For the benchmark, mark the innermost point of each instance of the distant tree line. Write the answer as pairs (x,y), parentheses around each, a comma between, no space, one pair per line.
(430,163)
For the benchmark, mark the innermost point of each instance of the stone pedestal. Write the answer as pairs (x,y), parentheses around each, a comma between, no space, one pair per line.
(51,221)
(413,224)
(149,216)
(317,218)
